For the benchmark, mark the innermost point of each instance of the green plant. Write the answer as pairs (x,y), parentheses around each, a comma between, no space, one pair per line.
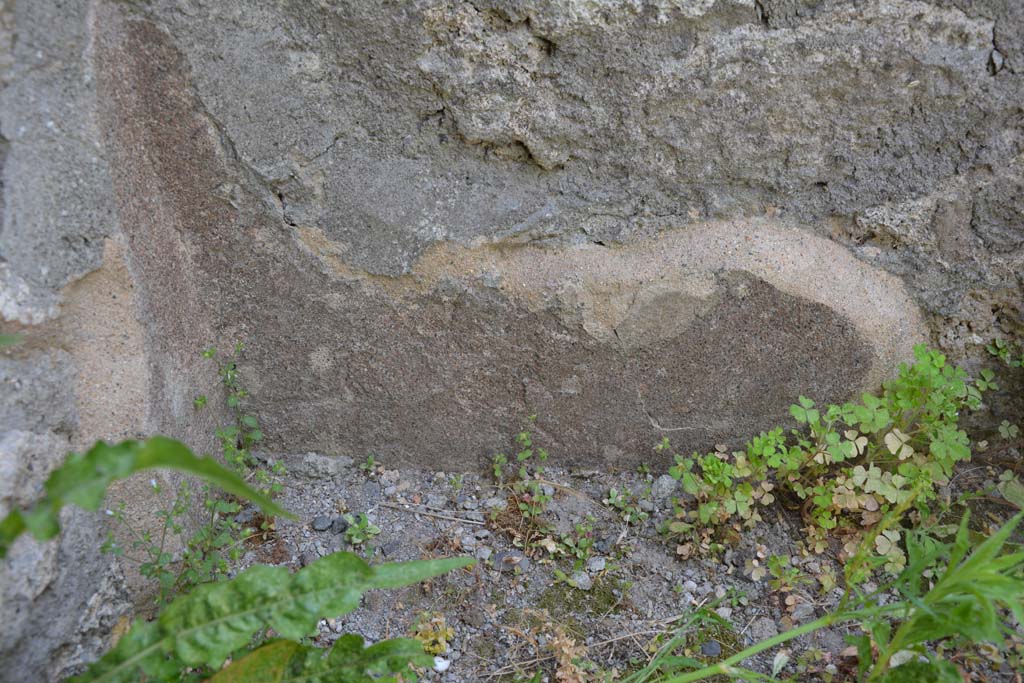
(627,504)
(530,496)
(947,591)
(433,632)
(238,439)
(498,464)
(785,577)
(370,465)
(580,543)
(219,620)
(849,464)
(359,529)
(215,538)
(349,660)
(197,632)
(84,477)
(206,553)
(1010,352)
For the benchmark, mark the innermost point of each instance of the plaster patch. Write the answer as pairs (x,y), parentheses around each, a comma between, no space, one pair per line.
(652,290)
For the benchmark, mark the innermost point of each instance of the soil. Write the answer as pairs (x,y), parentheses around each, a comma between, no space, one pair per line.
(521,613)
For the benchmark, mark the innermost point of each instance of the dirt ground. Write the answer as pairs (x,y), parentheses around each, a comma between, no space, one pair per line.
(524,613)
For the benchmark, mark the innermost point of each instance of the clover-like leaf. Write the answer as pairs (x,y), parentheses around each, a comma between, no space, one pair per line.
(898,444)
(887,541)
(859,441)
(804,413)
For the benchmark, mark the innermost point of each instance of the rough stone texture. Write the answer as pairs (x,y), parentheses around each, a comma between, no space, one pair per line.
(57,199)
(59,599)
(704,332)
(428,220)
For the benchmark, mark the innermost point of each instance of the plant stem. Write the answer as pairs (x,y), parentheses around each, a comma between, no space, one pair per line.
(726,665)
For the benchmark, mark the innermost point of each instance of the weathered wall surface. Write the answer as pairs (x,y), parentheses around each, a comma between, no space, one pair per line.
(59,600)
(428,220)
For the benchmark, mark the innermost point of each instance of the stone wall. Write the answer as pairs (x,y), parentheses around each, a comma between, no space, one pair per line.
(429,220)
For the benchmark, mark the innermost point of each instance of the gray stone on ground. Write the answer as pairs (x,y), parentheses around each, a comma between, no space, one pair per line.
(664,487)
(762,628)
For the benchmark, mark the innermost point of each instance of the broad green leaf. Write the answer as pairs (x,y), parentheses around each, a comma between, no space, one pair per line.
(923,672)
(1013,492)
(349,660)
(863,645)
(205,626)
(84,477)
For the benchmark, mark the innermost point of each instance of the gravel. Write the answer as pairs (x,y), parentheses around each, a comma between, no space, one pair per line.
(632,580)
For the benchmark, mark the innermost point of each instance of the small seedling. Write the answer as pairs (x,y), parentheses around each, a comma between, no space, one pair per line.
(627,504)
(580,543)
(433,632)
(359,530)
(785,577)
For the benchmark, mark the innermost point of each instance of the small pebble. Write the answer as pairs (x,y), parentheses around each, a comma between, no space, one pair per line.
(762,629)
(321,523)
(338,525)
(997,60)
(664,487)
(248,515)
(581,580)
(441,664)
(711,648)
(595,565)
(803,611)
(391,548)
(509,560)
(483,554)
